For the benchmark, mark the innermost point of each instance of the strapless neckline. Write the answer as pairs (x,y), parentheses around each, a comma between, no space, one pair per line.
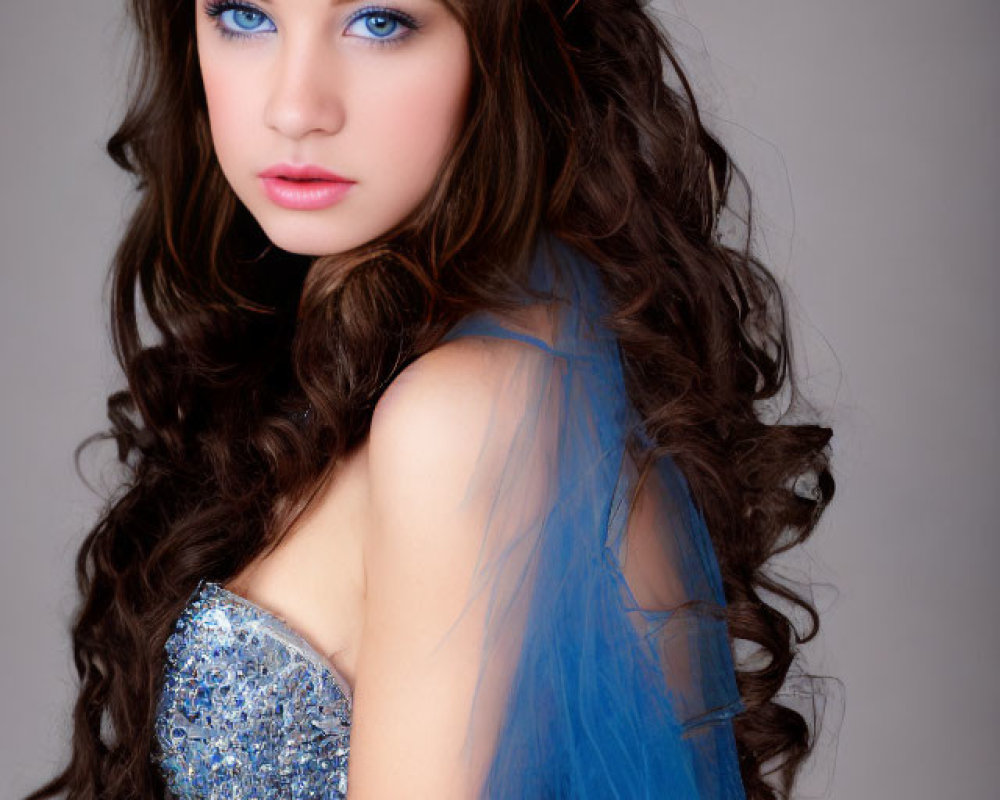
(248,708)
(296,639)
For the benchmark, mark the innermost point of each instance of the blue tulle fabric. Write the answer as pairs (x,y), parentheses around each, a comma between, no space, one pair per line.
(607,698)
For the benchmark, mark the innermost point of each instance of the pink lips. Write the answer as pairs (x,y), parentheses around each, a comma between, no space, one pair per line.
(303,187)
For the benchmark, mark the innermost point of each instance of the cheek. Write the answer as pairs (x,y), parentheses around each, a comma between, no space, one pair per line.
(417,116)
(228,112)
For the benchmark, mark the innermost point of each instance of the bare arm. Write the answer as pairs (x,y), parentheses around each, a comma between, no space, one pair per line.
(444,437)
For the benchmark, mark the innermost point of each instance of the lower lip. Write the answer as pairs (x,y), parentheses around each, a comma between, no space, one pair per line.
(305,195)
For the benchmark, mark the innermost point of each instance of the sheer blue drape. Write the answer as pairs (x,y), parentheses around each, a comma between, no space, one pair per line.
(601,695)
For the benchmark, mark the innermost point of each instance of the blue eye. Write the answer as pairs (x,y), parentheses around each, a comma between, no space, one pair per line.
(382,23)
(245,19)
(238,20)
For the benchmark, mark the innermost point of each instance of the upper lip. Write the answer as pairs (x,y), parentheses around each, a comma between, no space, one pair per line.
(302,172)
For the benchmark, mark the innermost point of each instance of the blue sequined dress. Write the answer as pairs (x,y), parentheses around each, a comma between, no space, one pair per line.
(604,692)
(248,708)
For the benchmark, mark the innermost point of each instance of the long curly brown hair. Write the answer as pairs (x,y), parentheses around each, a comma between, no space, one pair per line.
(572,127)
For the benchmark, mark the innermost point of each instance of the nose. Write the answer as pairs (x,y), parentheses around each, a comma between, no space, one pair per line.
(304,96)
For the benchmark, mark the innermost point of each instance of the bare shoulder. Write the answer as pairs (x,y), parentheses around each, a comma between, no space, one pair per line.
(445,401)
(454,422)
(454,376)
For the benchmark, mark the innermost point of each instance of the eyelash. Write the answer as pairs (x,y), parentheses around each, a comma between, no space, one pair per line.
(216,8)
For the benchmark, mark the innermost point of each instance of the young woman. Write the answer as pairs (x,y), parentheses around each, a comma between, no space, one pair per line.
(444,468)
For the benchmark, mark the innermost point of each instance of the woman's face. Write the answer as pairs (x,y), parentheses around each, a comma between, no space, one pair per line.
(301,89)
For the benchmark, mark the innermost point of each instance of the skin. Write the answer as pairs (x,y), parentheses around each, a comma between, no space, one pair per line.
(375,102)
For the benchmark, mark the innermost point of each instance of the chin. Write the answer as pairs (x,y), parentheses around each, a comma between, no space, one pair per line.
(316,238)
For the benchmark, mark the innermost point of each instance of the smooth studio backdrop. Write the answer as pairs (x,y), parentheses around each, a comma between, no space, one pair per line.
(869,132)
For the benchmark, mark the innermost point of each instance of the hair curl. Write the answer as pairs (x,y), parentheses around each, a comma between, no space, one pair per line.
(571,127)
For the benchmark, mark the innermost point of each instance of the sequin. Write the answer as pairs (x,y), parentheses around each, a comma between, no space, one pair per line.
(248,709)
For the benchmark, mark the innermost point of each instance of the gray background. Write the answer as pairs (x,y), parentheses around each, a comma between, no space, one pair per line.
(869,132)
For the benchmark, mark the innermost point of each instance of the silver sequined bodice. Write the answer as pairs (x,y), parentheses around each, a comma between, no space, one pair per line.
(248,708)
